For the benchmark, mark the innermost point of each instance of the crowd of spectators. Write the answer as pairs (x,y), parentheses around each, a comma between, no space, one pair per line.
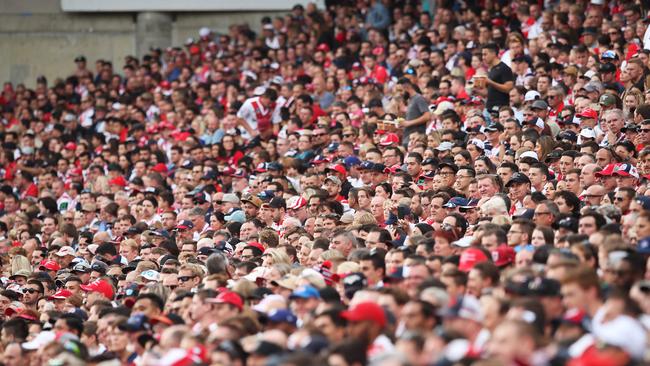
(373,182)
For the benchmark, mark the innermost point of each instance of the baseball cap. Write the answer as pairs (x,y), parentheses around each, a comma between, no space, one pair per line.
(588,113)
(588,133)
(282,316)
(100,286)
(288,281)
(236,216)
(592,87)
(136,323)
(518,178)
(65,251)
(389,139)
(568,135)
(150,275)
(608,171)
(337,168)
(470,257)
(230,198)
(296,202)
(464,242)
(626,170)
(49,265)
(160,168)
(277,202)
(99,266)
(333,179)
(455,202)
(607,68)
(305,292)
(609,55)
(539,104)
(118,181)
(351,161)
(532,95)
(320,159)
(253,200)
(445,146)
(543,287)
(257,245)
(607,100)
(61,295)
(185,225)
(41,340)
(529,154)
(227,297)
(503,255)
(365,311)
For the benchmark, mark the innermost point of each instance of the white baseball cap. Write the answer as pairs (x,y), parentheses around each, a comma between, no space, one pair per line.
(532,95)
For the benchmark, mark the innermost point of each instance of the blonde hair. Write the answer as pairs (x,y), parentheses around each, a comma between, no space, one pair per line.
(194,268)
(363,218)
(277,256)
(347,267)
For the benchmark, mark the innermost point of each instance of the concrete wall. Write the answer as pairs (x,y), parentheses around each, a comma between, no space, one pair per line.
(46,44)
(37,38)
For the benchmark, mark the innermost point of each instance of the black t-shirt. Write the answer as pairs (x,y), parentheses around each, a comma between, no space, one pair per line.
(501,74)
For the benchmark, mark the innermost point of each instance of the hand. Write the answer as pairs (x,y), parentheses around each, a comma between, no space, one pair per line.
(405,226)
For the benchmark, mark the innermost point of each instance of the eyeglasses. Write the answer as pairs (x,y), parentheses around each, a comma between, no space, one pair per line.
(644,130)
(593,195)
(348,135)
(185,278)
(217,202)
(541,213)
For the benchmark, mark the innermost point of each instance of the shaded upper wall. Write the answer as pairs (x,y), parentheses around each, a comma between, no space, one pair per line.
(38,38)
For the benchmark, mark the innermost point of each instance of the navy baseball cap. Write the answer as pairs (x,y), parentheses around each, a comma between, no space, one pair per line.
(282,316)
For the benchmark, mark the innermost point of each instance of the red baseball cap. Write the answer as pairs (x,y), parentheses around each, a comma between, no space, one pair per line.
(471,257)
(160,168)
(339,168)
(607,172)
(49,266)
(257,245)
(118,181)
(588,113)
(70,146)
(323,47)
(100,286)
(366,311)
(503,255)
(227,297)
(296,202)
(389,139)
(61,295)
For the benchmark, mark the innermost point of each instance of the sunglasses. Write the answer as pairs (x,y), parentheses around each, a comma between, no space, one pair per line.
(185,278)
(29,291)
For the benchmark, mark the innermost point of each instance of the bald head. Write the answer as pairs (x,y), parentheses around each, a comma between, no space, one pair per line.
(587,175)
(594,194)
